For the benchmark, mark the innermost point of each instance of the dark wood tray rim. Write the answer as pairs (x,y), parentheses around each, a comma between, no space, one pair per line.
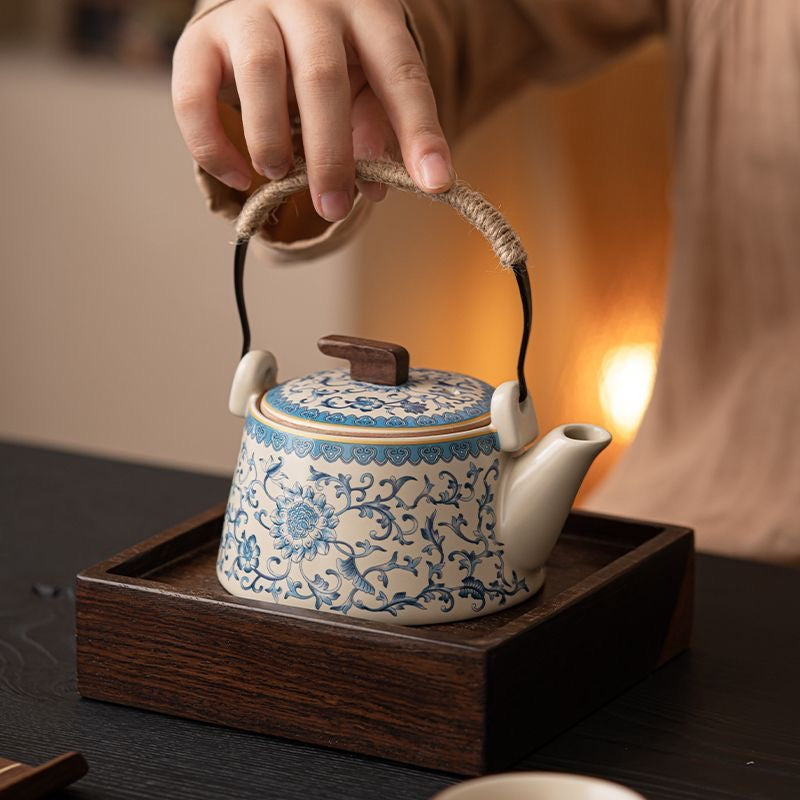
(180,540)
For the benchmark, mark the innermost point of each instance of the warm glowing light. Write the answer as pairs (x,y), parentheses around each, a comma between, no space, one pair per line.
(626,381)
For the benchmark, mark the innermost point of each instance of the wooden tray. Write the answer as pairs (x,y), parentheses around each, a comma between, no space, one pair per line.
(156,631)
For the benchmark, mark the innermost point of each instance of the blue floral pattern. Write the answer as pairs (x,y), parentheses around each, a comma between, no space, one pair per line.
(430,398)
(453,554)
(302,523)
(247,553)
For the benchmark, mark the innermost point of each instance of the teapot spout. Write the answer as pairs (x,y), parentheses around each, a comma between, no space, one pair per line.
(539,488)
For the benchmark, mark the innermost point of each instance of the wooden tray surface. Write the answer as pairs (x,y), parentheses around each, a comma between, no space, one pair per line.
(155,630)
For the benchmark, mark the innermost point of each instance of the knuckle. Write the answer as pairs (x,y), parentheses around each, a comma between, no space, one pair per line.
(323,72)
(204,151)
(268,149)
(259,62)
(332,168)
(427,131)
(250,23)
(409,72)
(186,99)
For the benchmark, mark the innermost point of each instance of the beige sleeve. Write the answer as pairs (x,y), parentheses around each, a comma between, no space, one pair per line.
(478,53)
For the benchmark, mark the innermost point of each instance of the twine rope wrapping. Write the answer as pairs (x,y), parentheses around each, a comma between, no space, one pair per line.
(471,205)
(478,211)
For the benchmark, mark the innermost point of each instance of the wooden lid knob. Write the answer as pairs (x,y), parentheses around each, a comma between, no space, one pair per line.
(370,361)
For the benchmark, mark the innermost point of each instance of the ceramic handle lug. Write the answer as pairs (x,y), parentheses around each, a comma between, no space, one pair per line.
(257,372)
(515,422)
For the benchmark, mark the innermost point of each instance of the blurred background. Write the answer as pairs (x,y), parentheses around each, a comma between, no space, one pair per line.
(118,326)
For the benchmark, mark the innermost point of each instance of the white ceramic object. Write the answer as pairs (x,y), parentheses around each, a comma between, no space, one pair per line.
(537,786)
(417,503)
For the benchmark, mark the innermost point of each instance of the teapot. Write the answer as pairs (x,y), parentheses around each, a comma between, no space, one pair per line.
(390,492)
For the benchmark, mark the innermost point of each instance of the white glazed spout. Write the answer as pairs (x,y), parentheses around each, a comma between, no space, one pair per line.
(538,489)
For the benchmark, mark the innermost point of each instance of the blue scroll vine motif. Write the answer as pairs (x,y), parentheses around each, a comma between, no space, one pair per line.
(302,521)
(429,398)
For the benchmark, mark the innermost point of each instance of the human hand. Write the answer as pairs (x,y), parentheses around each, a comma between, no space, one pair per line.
(350,66)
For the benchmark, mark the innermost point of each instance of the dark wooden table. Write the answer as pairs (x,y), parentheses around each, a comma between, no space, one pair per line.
(720,722)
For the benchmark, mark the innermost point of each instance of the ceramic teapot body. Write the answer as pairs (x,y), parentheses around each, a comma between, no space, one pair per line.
(389,493)
(387,526)
(393,502)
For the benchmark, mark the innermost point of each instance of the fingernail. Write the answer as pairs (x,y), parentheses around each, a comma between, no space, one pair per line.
(237,180)
(275,171)
(372,191)
(435,172)
(335,205)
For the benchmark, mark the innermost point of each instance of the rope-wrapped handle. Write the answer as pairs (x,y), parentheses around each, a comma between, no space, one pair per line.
(471,205)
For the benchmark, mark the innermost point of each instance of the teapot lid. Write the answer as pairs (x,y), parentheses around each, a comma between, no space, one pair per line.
(429,399)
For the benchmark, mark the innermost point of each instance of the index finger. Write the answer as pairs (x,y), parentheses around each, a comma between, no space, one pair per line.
(396,74)
(196,80)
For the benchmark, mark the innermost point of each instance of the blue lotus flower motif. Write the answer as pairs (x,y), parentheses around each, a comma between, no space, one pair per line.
(248,553)
(364,403)
(412,407)
(303,523)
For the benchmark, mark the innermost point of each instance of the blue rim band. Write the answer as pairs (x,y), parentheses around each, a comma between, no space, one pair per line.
(348,452)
